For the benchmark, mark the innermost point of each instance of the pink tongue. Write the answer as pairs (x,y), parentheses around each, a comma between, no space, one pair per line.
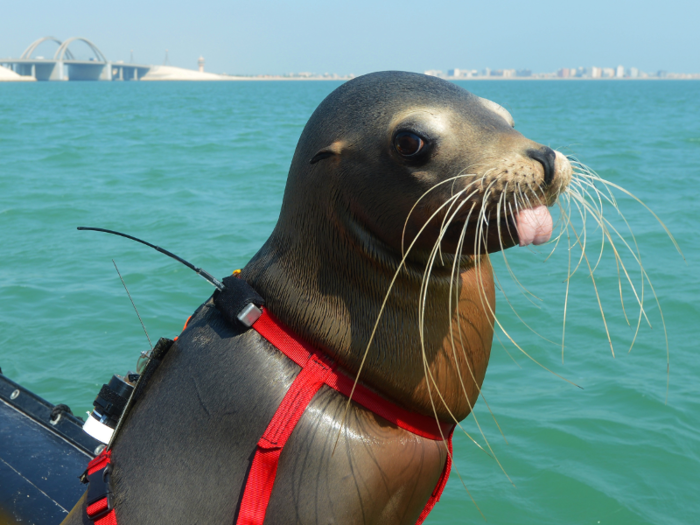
(534,226)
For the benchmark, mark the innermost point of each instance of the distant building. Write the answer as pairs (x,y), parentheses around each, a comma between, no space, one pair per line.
(486,72)
(596,72)
(608,72)
(200,63)
(504,73)
(523,73)
(620,72)
(463,73)
(564,72)
(634,72)
(433,72)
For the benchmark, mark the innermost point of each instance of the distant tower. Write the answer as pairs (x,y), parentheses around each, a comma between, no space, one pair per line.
(166,62)
(200,63)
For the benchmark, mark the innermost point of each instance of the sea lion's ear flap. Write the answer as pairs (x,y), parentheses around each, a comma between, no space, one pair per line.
(499,110)
(328,151)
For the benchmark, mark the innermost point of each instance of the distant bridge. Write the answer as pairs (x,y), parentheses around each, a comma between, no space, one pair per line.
(64,66)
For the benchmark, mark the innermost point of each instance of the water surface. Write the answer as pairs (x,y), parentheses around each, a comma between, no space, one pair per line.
(200,169)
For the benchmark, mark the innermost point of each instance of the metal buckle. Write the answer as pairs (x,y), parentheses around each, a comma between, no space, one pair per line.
(249,314)
(98,489)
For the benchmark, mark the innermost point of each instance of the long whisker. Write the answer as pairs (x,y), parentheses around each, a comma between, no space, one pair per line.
(584,173)
(566,295)
(620,188)
(433,188)
(505,259)
(426,369)
(526,292)
(606,226)
(453,278)
(386,298)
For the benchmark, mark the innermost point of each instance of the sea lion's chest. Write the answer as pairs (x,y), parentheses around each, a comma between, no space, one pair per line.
(190,441)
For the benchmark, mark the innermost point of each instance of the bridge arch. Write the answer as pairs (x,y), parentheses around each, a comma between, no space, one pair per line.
(32,47)
(64,53)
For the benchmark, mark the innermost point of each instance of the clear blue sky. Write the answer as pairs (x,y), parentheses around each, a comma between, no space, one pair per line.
(268,36)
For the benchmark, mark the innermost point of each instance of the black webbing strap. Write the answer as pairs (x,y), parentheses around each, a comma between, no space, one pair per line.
(236,295)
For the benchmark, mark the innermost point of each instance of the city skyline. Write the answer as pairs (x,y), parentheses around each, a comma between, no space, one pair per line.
(591,72)
(520,72)
(33,58)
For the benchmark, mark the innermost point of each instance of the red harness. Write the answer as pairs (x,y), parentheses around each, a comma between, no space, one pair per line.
(99,496)
(316,371)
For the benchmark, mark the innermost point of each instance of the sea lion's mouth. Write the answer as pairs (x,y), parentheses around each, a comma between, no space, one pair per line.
(534,225)
(527,226)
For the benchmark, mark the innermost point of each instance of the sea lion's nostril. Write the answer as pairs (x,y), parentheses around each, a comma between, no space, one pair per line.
(547,158)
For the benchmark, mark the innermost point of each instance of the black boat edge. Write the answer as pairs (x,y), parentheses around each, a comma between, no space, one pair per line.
(43,451)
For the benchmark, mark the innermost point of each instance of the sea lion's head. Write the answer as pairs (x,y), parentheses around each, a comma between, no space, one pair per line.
(391,169)
(386,142)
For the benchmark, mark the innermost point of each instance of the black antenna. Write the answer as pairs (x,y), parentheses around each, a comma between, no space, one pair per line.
(206,275)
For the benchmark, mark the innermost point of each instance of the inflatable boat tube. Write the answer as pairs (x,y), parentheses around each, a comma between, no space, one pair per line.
(43,451)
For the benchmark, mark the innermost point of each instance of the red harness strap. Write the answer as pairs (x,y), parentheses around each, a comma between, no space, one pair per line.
(316,371)
(99,497)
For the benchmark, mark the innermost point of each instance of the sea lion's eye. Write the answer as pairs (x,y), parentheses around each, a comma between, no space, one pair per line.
(408,144)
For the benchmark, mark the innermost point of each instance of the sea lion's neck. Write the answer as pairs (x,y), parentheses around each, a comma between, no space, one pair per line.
(328,287)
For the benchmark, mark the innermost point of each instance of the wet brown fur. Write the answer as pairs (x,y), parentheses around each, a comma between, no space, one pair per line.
(329,262)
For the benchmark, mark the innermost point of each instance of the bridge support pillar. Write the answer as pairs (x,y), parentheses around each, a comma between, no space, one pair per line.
(56,71)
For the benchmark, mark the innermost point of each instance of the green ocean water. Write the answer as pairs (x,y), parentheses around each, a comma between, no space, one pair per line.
(200,168)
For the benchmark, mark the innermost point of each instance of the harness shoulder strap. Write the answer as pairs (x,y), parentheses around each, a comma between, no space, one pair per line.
(317,371)
(100,507)
(263,470)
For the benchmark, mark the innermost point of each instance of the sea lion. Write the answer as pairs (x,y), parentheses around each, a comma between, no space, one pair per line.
(399,186)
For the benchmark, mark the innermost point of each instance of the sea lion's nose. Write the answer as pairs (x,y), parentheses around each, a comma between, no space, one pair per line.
(547,158)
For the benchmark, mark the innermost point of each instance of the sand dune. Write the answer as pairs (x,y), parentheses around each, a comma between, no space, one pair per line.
(7,75)
(178,73)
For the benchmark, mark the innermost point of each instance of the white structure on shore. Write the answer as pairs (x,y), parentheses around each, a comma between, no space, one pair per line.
(7,75)
(178,73)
